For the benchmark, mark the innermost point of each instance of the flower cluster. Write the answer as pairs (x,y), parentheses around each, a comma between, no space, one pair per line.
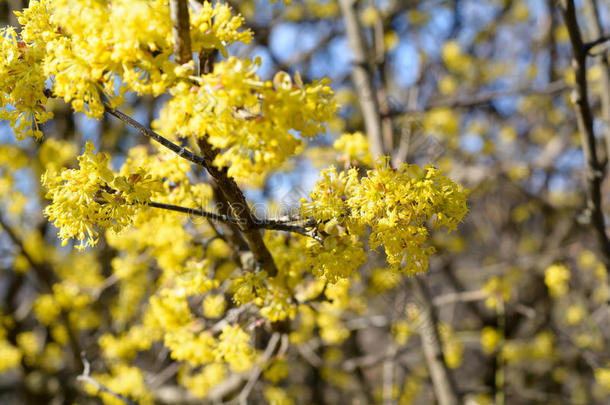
(251,121)
(556,278)
(354,148)
(397,205)
(22,81)
(92,196)
(93,51)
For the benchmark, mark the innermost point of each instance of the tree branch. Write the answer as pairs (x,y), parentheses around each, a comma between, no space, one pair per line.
(585,126)
(181,30)
(444,386)
(45,274)
(240,210)
(600,40)
(257,370)
(271,224)
(86,377)
(485,97)
(604,64)
(363,77)
(149,133)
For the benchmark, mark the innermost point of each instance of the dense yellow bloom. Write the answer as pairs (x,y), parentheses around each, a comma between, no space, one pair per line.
(277,370)
(196,349)
(199,383)
(251,121)
(125,380)
(46,309)
(93,50)
(602,377)
(556,278)
(22,81)
(355,148)
(10,356)
(93,196)
(397,204)
(277,396)
(490,338)
(214,305)
(126,345)
(233,348)
(575,314)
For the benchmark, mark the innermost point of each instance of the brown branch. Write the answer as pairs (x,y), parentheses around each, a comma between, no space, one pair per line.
(584,118)
(181,30)
(239,208)
(600,40)
(258,369)
(485,97)
(596,29)
(442,381)
(149,133)
(45,274)
(271,224)
(86,377)
(362,76)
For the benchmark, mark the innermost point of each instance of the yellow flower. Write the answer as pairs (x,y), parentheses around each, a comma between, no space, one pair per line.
(234,349)
(277,370)
(490,338)
(396,204)
(602,377)
(575,314)
(556,278)
(10,356)
(355,147)
(277,396)
(214,305)
(93,196)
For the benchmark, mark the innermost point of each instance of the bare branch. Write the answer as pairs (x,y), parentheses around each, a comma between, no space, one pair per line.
(585,126)
(442,381)
(596,29)
(239,208)
(181,30)
(149,133)
(271,224)
(257,370)
(363,77)
(86,377)
(592,44)
(485,97)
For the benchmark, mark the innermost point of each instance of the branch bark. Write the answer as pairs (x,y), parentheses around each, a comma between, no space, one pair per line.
(86,377)
(362,76)
(584,118)
(47,278)
(597,32)
(271,224)
(181,30)
(444,386)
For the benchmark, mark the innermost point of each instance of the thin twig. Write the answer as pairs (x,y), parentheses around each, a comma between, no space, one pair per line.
(590,45)
(485,97)
(585,125)
(257,370)
(442,381)
(149,133)
(86,377)
(271,224)
(362,76)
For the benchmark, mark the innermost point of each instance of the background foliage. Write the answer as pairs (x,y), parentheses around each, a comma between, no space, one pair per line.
(175,308)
